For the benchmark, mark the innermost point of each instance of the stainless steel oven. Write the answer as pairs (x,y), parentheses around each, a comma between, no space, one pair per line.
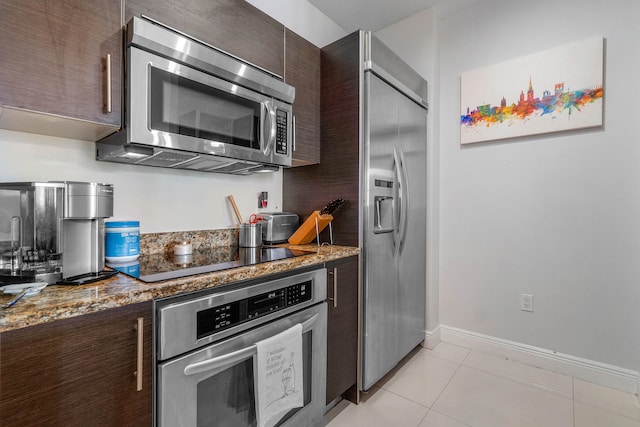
(189,105)
(206,351)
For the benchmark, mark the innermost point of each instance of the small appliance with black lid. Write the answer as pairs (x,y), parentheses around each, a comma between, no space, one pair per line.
(277,227)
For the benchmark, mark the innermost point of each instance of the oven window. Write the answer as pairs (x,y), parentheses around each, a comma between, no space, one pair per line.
(182,106)
(228,398)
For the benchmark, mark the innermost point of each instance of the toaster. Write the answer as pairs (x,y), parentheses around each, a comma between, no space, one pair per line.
(277,227)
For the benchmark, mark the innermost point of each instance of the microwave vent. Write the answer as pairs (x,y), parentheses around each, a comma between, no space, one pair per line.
(167,159)
(236,167)
(206,164)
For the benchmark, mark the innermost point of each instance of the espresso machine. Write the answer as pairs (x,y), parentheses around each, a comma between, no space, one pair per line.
(53,231)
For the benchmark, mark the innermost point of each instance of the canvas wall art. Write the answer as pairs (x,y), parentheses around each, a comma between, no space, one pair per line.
(551,91)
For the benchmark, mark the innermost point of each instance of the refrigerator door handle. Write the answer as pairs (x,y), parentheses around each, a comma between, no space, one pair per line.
(397,204)
(404,195)
(401,215)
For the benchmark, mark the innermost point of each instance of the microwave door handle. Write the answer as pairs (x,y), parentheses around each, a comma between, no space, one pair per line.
(270,116)
(236,356)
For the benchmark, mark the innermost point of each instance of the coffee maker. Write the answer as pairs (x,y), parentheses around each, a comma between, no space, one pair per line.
(53,231)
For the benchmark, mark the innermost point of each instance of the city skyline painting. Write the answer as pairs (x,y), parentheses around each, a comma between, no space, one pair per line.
(551,91)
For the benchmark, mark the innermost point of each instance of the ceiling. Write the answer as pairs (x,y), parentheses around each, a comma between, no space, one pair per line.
(376,14)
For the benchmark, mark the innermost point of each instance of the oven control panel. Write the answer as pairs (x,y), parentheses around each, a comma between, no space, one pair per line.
(227,315)
(299,293)
(189,321)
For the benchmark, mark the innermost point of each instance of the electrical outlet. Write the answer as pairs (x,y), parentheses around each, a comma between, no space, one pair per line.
(526,302)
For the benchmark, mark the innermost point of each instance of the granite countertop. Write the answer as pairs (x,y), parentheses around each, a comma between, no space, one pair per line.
(60,302)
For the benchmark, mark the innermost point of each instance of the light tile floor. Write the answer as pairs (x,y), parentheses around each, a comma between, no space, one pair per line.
(452,386)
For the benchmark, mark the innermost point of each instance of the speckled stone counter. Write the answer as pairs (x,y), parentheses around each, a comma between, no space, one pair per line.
(60,302)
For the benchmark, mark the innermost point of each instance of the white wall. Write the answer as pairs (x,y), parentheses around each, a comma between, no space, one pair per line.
(303,18)
(556,216)
(162,199)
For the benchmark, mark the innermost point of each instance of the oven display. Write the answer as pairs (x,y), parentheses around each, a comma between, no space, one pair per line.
(225,316)
(265,303)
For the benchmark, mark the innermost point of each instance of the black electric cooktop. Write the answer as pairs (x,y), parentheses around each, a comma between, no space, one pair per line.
(158,267)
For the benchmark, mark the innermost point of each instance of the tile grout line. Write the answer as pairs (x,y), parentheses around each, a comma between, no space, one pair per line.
(429,409)
(423,418)
(530,384)
(573,400)
(384,390)
(600,408)
(435,402)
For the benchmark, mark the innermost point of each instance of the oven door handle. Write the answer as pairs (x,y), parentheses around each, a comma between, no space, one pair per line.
(221,361)
(236,356)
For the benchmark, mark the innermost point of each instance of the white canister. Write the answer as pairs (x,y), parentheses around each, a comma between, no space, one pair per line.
(122,241)
(182,247)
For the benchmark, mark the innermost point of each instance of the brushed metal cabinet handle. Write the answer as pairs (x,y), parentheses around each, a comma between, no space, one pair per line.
(139,353)
(334,273)
(107,105)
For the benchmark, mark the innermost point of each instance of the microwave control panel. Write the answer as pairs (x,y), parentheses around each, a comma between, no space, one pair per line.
(281,132)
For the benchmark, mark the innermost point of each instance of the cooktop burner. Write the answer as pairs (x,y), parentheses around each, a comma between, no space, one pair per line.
(157,267)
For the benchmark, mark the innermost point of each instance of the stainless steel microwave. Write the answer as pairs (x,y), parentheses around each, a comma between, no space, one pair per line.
(191,106)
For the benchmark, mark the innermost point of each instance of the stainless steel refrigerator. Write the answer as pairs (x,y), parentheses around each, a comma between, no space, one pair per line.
(373,154)
(393,182)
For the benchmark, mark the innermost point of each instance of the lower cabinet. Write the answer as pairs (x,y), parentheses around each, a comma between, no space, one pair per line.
(342,329)
(81,371)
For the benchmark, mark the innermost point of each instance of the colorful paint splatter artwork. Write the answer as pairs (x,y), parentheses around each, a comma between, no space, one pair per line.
(570,94)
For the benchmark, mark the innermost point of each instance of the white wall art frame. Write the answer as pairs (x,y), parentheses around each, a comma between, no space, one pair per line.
(551,91)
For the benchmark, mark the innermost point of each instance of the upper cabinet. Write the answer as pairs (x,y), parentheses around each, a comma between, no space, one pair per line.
(234,26)
(61,74)
(54,61)
(302,71)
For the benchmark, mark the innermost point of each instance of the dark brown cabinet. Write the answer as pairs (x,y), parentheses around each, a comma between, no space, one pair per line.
(302,71)
(309,188)
(54,58)
(234,26)
(342,329)
(79,371)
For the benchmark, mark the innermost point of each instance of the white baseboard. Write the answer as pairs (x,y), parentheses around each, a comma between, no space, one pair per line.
(611,376)
(432,338)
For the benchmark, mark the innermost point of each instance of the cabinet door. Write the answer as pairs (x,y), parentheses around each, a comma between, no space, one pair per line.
(234,26)
(79,371)
(302,71)
(305,189)
(54,57)
(342,328)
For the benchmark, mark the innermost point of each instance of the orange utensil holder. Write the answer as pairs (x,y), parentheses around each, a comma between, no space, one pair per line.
(310,229)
